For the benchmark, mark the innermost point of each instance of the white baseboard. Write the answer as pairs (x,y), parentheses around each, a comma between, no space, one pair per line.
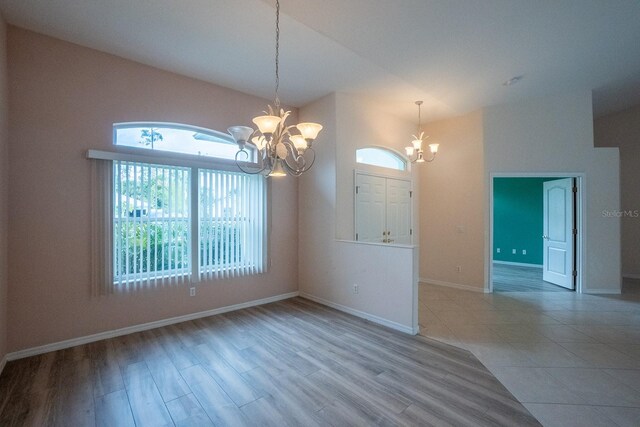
(454,285)
(602,291)
(518,264)
(3,362)
(631,275)
(141,327)
(362,314)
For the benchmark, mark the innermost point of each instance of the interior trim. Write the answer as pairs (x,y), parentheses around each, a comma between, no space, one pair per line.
(364,315)
(453,285)
(517,264)
(33,351)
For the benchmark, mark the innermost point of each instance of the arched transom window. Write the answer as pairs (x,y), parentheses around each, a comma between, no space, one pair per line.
(175,138)
(381,157)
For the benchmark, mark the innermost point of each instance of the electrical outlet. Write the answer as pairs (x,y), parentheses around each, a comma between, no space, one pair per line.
(524,252)
(459,268)
(192,292)
(513,251)
(498,250)
(356,288)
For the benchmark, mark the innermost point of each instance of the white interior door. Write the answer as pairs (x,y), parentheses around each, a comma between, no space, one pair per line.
(558,235)
(399,211)
(370,208)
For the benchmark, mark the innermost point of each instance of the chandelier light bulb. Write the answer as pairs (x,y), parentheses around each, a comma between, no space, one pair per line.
(309,130)
(299,142)
(259,141)
(278,169)
(434,148)
(267,124)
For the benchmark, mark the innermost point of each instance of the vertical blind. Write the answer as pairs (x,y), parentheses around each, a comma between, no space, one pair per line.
(151,224)
(232,222)
(156,225)
(101,227)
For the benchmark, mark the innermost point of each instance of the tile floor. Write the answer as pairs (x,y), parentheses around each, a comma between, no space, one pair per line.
(520,278)
(571,359)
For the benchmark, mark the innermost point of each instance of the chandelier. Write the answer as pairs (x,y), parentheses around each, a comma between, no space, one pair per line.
(280,149)
(416,145)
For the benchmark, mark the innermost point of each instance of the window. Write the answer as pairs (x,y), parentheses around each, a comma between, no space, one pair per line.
(154,226)
(160,220)
(176,139)
(151,221)
(381,157)
(231,211)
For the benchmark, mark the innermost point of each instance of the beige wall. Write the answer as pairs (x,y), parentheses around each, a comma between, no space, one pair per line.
(555,135)
(64,100)
(361,123)
(623,130)
(329,268)
(452,203)
(4,189)
(548,135)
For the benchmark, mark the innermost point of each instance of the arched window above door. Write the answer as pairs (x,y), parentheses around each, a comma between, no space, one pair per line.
(382,157)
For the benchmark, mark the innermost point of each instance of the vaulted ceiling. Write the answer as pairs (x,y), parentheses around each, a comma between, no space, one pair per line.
(454,54)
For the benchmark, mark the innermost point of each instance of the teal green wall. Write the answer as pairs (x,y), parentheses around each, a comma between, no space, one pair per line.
(517,219)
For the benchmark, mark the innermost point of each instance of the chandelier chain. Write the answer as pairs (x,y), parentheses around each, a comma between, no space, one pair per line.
(278,152)
(277,100)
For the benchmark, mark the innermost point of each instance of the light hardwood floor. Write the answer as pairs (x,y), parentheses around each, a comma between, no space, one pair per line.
(288,363)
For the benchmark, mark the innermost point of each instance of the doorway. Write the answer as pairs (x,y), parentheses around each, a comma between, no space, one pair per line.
(535,233)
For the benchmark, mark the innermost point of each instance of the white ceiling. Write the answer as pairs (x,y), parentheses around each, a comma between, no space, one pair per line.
(454,54)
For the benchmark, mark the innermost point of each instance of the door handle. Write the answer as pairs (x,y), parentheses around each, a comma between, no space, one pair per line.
(545,237)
